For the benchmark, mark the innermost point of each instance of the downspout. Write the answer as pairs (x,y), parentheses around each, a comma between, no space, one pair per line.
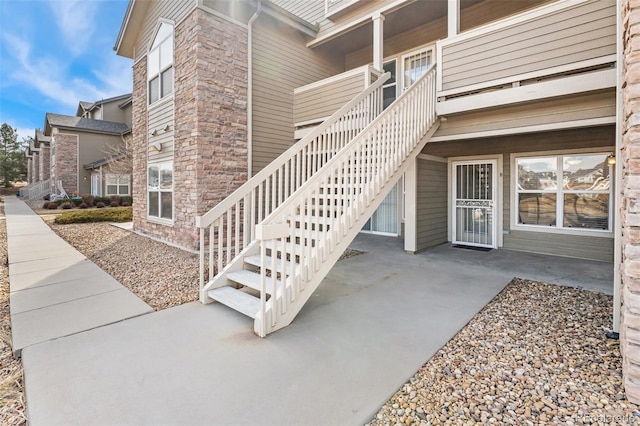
(617,227)
(250,89)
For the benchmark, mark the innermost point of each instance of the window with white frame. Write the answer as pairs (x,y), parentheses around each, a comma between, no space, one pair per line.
(160,64)
(160,190)
(570,191)
(117,184)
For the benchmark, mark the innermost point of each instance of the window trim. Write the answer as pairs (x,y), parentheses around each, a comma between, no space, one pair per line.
(161,71)
(513,211)
(117,185)
(160,219)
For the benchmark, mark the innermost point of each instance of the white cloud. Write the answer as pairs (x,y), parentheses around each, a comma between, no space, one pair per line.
(76,21)
(48,76)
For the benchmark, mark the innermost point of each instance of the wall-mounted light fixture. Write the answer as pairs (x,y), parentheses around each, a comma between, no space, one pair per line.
(155,132)
(156,146)
(611,159)
(167,128)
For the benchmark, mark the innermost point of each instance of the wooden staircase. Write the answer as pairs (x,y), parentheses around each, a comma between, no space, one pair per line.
(277,236)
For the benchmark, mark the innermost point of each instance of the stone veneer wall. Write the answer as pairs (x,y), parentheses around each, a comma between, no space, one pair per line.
(630,205)
(65,167)
(30,175)
(210,98)
(36,167)
(45,162)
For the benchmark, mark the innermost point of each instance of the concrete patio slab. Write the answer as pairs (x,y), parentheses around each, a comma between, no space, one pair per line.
(372,323)
(56,291)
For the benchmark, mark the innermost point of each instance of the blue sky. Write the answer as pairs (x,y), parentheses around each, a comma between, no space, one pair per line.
(55,53)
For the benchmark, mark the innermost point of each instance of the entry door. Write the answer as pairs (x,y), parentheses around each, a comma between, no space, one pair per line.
(95,184)
(474,194)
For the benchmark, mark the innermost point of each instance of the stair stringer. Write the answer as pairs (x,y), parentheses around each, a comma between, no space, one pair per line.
(284,319)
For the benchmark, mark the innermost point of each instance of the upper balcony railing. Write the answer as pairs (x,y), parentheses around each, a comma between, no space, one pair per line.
(315,102)
(558,49)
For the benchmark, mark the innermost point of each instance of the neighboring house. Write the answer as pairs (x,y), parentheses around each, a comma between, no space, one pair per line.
(510,143)
(86,153)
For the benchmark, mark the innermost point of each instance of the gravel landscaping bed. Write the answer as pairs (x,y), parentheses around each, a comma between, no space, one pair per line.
(536,354)
(12,404)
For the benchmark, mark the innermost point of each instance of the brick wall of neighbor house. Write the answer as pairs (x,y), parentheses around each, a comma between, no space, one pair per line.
(630,206)
(210,139)
(45,162)
(65,167)
(139,146)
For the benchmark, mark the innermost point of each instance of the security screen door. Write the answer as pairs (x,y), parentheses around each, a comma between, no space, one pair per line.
(474,212)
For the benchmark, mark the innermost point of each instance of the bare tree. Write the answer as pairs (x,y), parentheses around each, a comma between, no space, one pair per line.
(120,156)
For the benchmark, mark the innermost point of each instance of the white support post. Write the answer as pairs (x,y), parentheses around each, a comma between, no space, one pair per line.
(453,18)
(378,41)
(411,207)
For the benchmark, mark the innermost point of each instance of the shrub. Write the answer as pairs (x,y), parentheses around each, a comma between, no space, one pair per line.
(99,204)
(66,205)
(114,199)
(126,199)
(83,205)
(88,200)
(114,204)
(120,214)
(126,204)
(45,205)
(52,206)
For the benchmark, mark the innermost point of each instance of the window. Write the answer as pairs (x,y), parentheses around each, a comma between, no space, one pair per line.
(160,190)
(565,191)
(160,64)
(414,66)
(117,184)
(389,87)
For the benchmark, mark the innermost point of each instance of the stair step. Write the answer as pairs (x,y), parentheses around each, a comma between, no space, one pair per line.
(297,249)
(255,261)
(252,280)
(236,299)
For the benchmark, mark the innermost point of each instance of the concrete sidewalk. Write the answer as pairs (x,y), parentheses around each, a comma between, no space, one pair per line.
(55,290)
(371,324)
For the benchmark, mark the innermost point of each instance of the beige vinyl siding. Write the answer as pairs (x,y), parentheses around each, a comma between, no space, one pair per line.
(322,101)
(602,138)
(174,11)
(430,32)
(590,106)
(92,147)
(160,116)
(281,63)
(575,34)
(431,204)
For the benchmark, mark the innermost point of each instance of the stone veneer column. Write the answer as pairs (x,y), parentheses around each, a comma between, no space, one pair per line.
(139,146)
(210,137)
(45,162)
(630,203)
(30,176)
(66,161)
(36,167)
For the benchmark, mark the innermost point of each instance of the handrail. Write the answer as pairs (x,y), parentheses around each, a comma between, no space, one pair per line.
(334,201)
(235,217)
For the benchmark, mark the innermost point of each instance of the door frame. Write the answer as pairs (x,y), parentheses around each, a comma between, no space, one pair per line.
(498,183)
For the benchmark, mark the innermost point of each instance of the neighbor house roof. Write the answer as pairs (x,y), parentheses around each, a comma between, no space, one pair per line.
(81,123)
(88,106)
(102,162)
(41,138)
(32,146)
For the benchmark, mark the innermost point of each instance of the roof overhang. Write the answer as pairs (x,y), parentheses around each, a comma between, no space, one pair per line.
(130,27)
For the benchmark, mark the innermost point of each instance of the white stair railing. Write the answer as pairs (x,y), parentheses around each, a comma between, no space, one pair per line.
(310,230)
(231,223)
(36,190)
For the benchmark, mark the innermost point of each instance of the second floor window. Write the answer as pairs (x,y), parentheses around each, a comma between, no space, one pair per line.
(160,64)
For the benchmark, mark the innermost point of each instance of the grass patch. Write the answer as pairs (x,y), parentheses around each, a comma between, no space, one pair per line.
(115,214)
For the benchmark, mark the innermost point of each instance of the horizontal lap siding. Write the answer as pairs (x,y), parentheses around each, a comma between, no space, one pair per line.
(431,204)
(591,106)
(323,101)
(576,34)
(160,116)
(587,247)
(174,11)
(281,63)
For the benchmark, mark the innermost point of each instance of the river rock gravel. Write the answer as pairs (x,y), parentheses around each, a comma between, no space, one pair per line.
(535,355)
